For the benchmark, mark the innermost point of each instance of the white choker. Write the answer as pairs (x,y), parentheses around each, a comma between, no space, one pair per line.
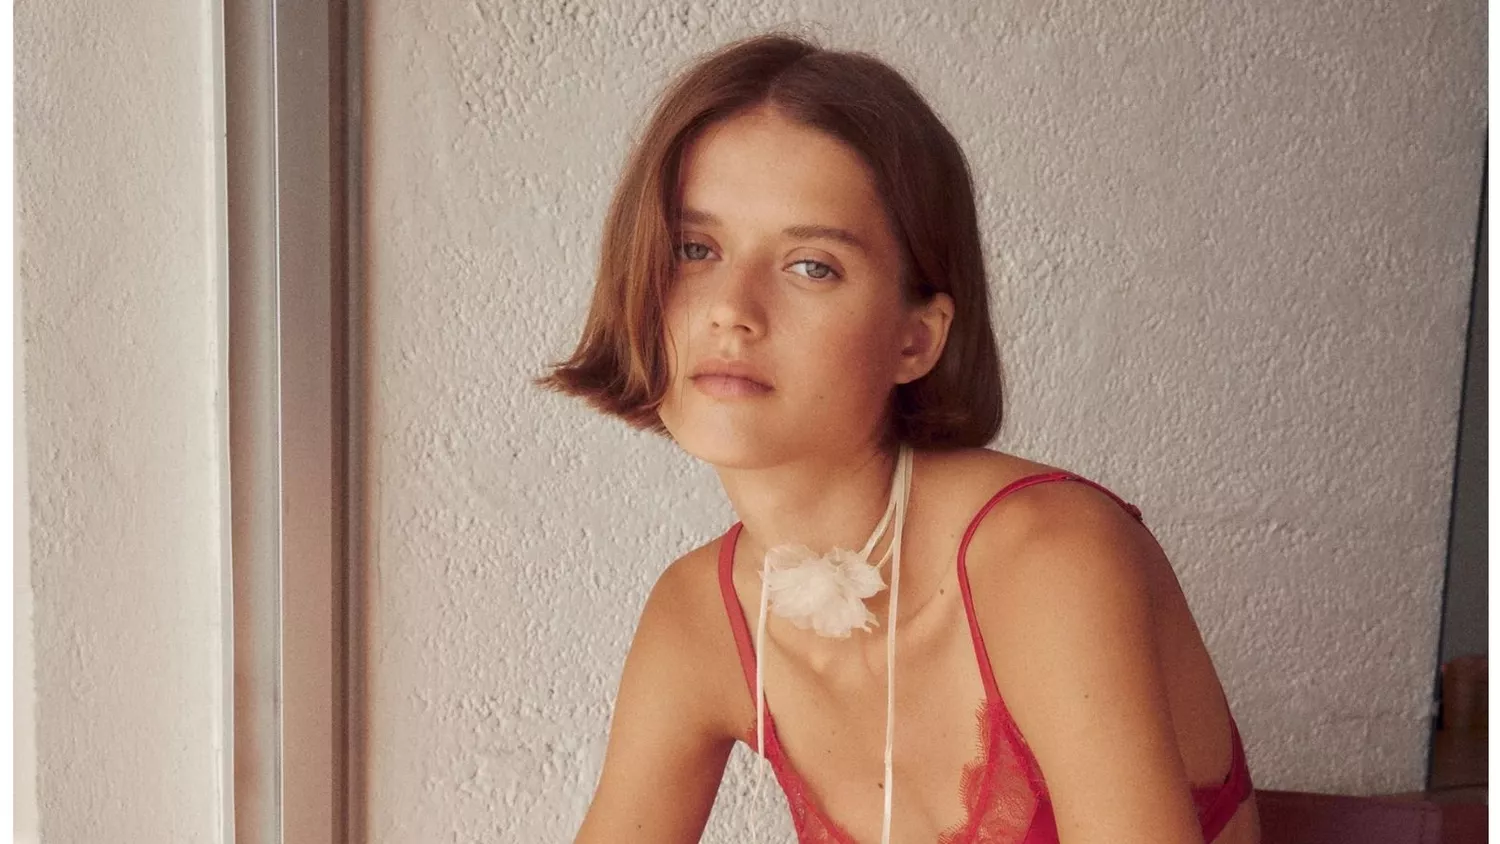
(827,594)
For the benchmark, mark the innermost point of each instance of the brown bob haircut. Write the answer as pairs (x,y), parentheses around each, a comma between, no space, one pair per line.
(620,365)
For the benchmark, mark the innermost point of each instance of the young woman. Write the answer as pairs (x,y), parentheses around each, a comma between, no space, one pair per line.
(928,640)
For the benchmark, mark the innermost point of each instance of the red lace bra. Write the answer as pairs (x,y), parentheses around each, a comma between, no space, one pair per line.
(1004,796)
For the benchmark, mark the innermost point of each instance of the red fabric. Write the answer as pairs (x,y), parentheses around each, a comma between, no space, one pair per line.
(1004,795)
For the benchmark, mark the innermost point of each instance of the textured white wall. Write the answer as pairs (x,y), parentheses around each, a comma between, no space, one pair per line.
(119,264)
(1230,246)
(24,770)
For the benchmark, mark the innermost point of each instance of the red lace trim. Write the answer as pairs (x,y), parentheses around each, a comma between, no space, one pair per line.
(1004,796)
(1001,788)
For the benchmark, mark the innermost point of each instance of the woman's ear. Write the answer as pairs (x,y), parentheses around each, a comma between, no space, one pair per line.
(926,335)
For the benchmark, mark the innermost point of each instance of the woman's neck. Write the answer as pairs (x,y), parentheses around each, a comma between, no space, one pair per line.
(822,502)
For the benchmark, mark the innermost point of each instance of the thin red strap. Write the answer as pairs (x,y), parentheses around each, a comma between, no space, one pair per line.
(980,651)
(733,609)
(1235,790)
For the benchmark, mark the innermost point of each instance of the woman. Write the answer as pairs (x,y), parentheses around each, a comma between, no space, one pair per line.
(792,288)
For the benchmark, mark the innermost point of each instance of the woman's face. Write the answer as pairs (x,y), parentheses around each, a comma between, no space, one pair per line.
(786,320)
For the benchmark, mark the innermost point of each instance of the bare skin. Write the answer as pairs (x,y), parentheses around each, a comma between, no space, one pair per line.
(1093,647)
(828,696)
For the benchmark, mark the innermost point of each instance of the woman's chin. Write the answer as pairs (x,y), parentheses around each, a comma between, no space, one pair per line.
(728,453)
(728,447)
(732,438)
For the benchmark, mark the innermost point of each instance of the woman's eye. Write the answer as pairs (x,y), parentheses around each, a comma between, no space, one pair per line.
(688,250)
(817,270)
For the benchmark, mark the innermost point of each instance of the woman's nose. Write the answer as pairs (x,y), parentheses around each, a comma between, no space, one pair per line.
(736,301)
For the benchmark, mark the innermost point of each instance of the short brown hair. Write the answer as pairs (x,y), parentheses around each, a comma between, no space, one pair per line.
(620,365)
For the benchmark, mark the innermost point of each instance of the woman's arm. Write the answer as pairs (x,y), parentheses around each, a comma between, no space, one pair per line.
(1066,596)
(667,742)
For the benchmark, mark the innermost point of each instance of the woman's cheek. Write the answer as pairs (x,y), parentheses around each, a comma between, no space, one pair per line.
(677,340)
(853,364)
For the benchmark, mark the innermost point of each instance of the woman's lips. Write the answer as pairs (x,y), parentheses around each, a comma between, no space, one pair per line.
(729,386)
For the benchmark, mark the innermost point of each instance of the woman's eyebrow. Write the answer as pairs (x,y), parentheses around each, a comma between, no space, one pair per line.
(816,232)
(805,231)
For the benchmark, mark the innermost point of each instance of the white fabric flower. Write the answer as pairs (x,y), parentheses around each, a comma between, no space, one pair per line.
(826,593)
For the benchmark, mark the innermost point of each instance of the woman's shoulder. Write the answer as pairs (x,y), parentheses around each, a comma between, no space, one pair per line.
(1046,525)
(982,473)
(967,482)
(1067,587)
(685,613)
(689,587)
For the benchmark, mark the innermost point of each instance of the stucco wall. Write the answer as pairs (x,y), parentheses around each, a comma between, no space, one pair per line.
(1230,246)
(24,667)
(119,264)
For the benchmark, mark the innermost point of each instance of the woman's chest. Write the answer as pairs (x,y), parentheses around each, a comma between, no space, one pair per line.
(829,715)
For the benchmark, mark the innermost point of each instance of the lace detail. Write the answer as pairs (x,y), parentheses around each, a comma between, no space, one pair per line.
(1004,796)
(1001,788)
(812,826)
